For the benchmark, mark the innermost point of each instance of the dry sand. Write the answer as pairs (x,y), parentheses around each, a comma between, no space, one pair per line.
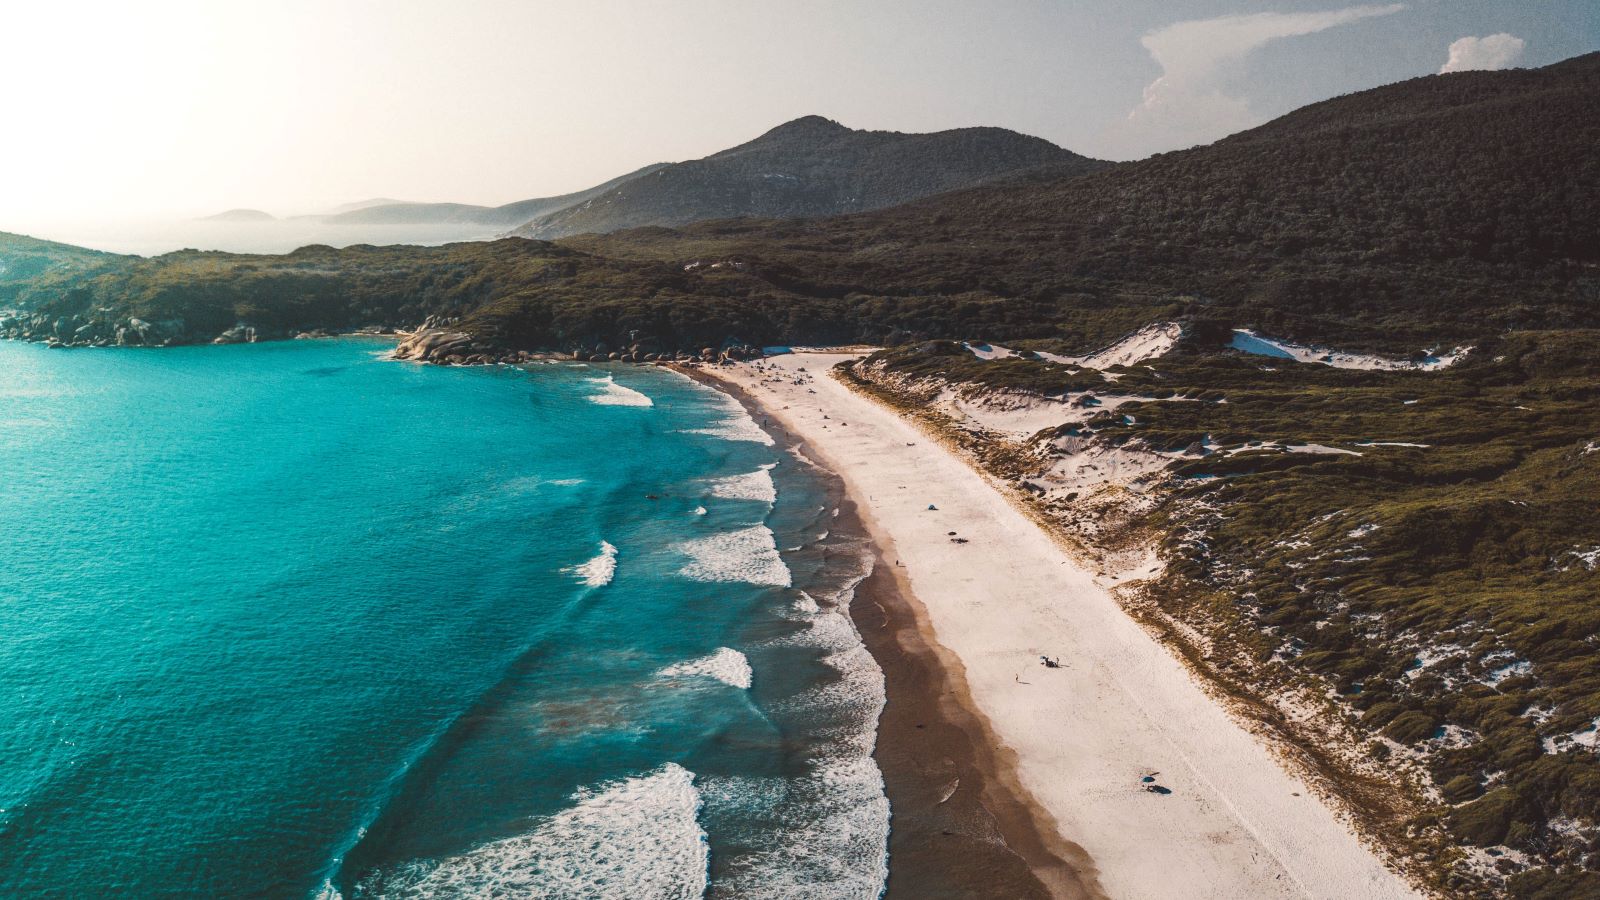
(1079,739)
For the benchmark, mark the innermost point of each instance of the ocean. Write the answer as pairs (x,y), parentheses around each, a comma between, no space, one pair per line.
(294,620)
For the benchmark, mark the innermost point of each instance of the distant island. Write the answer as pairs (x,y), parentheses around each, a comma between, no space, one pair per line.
(241,215)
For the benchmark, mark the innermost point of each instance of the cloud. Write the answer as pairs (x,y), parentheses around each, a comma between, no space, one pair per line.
(1495,51)
(1187,105)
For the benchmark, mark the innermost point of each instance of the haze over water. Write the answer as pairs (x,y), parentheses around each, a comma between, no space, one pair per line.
(293,620)
(155,237)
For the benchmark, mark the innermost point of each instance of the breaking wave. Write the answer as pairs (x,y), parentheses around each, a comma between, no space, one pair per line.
(831,839)
(747,555)
(734,424)
(613,394)
(633,838)
(599,571)
(755,485)
(726,665)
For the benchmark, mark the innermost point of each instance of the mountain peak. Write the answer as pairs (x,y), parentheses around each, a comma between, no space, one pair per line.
(809,126)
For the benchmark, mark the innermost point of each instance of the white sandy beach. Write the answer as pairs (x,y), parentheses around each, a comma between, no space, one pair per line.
(1236,825)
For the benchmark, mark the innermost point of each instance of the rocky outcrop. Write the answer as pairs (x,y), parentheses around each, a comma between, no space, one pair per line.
(238,334)
(447,347)
(92,331)
(647,353)
(434,345)
(139,333)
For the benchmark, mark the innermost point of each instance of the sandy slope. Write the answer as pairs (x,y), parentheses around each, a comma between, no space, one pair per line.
(1236,824)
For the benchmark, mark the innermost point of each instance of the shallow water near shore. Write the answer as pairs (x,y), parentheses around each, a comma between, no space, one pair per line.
(293,620)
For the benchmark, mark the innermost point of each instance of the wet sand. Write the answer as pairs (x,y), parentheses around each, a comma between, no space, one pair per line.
(962,825)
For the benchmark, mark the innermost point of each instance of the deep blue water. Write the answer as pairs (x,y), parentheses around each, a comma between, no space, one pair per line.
(292,620)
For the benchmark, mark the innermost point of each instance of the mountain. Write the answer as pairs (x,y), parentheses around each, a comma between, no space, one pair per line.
(241,215)
(806,168)
(400,213)
(1434,209)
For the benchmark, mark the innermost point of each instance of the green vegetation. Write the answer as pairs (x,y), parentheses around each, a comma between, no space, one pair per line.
(25,262)
(1446,593)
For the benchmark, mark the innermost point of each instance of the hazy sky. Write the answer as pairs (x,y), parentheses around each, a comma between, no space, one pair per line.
(123,109)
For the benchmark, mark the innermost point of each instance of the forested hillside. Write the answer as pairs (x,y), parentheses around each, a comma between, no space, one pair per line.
(1429,210)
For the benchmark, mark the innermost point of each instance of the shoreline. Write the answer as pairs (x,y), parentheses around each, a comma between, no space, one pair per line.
(1152,787)
(961,824)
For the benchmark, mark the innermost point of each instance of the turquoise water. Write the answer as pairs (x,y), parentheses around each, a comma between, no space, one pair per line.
(291,620)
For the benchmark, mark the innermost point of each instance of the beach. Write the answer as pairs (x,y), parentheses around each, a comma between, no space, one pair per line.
(1068,756)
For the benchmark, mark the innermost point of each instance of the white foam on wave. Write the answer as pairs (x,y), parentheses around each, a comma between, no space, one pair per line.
(832,838)
(755,485)
(747,555)
(634,838)
(531,483)
(613,394)
(599,571)
(731,423)
(857,697)
(726,665)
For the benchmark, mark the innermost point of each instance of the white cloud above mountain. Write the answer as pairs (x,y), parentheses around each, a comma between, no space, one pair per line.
(1190,103)
(1494,51)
